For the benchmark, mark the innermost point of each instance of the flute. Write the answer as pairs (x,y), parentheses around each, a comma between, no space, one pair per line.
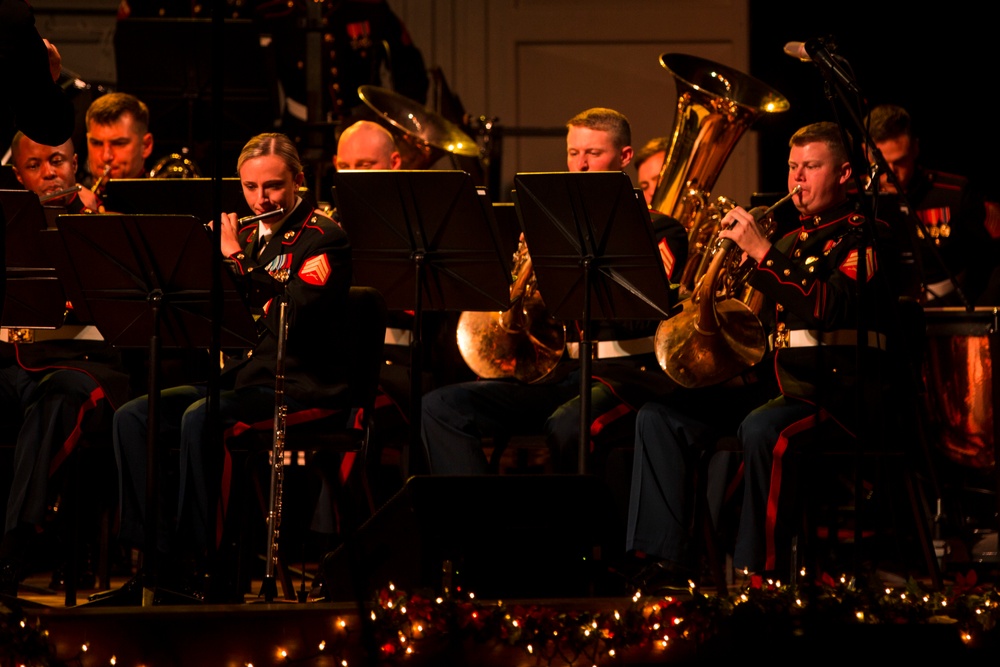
(60,193)
(263,216)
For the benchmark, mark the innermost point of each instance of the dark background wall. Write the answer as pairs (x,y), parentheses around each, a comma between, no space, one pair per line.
(939,61)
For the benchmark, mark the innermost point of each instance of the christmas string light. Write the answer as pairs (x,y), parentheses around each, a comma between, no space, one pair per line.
(409,624)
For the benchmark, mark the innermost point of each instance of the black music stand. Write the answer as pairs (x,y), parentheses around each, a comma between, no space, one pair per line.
(426,240)
(146,280)
(595,257)
(34,297)
(174,196)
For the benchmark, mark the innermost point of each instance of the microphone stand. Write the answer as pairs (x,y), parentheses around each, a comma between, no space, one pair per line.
(835,76)
(833,85)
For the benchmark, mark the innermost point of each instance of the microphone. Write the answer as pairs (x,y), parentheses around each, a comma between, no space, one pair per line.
(815,50)
(797,50)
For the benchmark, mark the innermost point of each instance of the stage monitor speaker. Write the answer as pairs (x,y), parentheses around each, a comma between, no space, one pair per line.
(498,536)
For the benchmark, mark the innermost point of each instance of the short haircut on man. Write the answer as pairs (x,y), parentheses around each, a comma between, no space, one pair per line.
(888,121)
(606,120)
(825,132)
(107,109)
(651,148)
(15,146)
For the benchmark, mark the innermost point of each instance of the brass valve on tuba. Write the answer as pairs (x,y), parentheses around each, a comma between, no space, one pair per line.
(522,342)
(715,106)
(718,334)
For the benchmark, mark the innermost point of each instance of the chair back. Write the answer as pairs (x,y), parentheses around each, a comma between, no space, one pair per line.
(366,311)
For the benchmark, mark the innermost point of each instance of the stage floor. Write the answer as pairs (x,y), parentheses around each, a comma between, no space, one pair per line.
(329,633)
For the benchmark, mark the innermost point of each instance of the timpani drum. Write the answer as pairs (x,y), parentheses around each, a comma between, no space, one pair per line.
(961,390)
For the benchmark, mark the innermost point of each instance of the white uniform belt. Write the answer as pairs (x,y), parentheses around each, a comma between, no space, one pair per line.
(609,349)
(69,332)
(939,289)
(398,336)
(808,338)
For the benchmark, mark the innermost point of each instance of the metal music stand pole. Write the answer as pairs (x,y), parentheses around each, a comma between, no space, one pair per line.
(592,247)
(146,281)
(427,240)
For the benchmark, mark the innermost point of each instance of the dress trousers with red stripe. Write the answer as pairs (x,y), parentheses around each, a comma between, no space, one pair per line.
(812,273)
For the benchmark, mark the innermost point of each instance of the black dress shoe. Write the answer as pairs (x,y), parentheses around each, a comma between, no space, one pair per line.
(663,577)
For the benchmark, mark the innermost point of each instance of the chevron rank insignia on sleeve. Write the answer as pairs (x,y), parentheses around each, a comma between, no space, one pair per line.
(315,270)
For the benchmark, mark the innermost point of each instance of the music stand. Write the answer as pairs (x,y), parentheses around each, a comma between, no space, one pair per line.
(174,196)
(146,280)
(594,255)
(426,240)
(34,297)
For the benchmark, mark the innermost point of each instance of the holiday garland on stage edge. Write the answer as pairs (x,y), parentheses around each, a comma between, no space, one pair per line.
(413,625)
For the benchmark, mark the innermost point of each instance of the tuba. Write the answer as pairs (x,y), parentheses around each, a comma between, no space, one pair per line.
(718,334)
(523,342)
(423,136)
(715,106)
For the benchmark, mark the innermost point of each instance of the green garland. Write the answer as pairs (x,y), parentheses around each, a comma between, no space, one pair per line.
(416,624)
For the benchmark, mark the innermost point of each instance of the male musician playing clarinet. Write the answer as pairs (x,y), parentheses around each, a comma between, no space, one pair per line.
(300,253)
(455,418)
(810,277)
(48,170)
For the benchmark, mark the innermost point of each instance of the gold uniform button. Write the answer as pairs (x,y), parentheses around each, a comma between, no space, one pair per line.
(240,255)
(787,272)
(803,236)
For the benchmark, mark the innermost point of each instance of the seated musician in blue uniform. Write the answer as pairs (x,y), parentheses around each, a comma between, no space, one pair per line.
(456,418)
(810,278)
(57,388)
(303,254)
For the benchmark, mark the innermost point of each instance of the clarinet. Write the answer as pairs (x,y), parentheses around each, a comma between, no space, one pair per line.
(269,587)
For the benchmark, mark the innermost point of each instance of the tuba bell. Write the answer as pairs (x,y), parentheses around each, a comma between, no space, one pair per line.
(715,106)
(423,136)
(718,334)
(523,342)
